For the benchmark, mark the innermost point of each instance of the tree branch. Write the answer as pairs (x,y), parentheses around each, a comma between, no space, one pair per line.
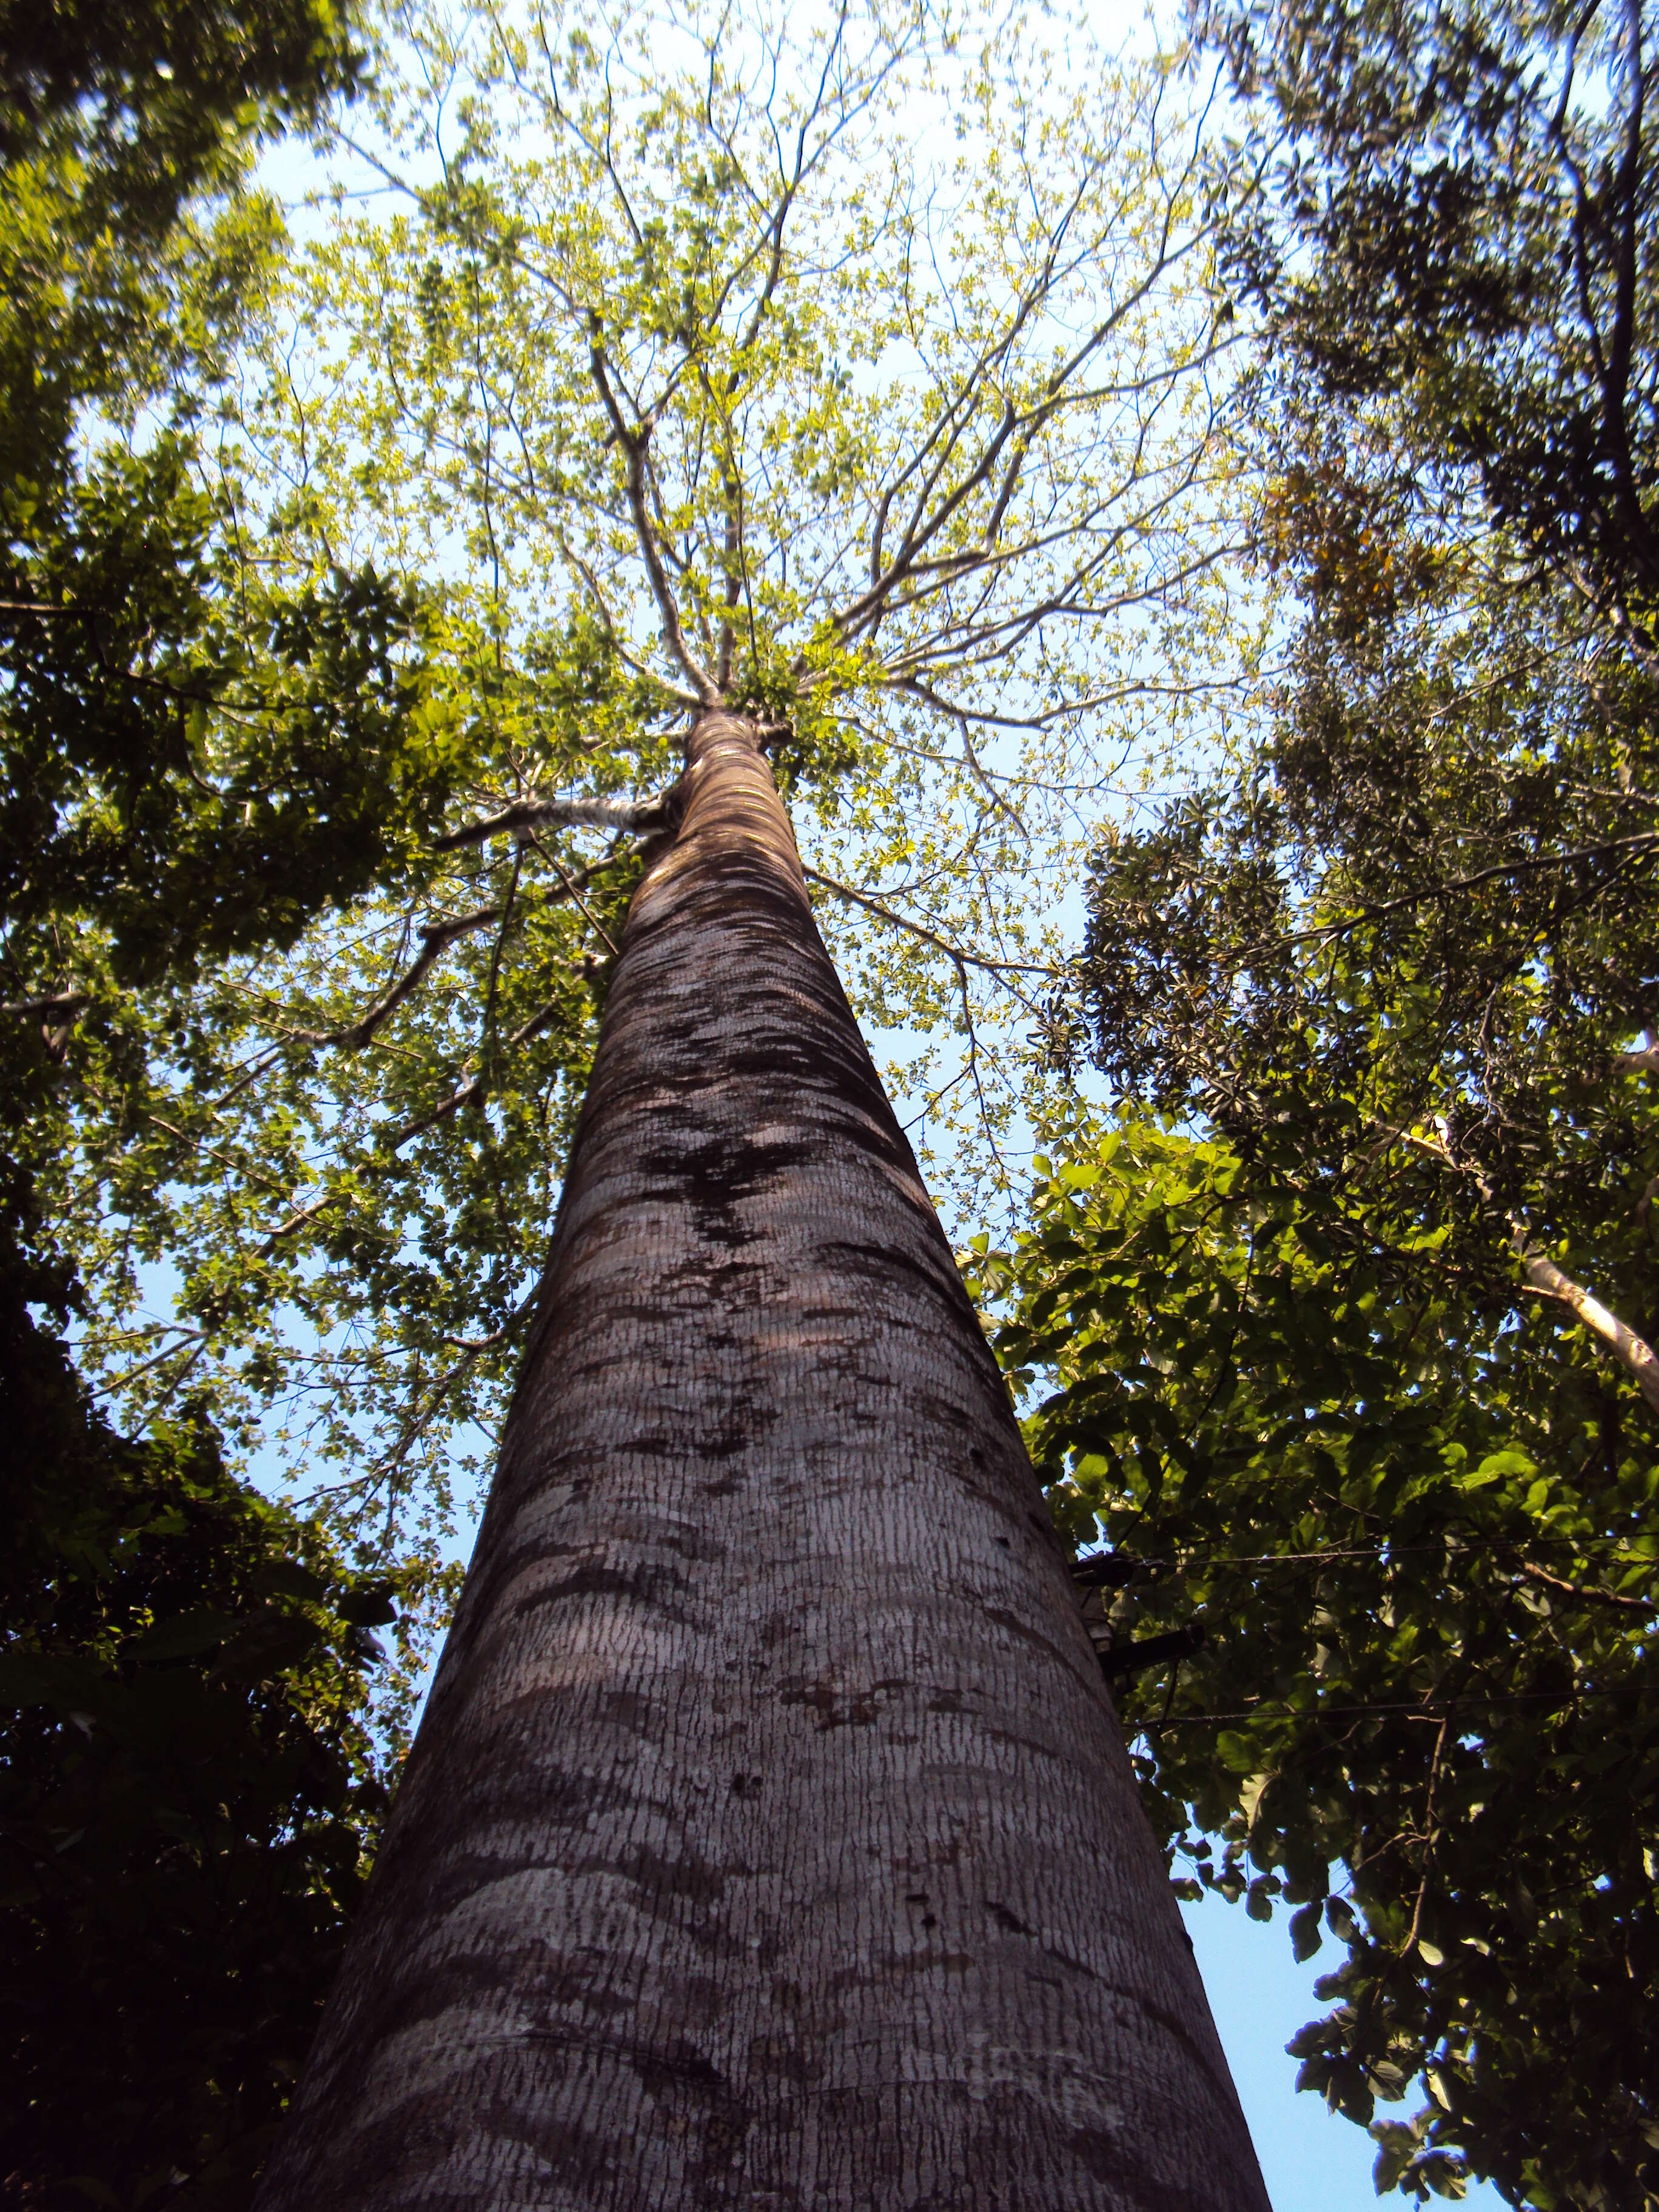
(435,938)
(470,1093)
(1634,1353)
(58,1002)
(634,444)
(1647,840)
(954,952)
(623,814)
(1547,1581)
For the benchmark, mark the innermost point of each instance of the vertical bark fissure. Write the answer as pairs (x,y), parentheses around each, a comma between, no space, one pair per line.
(768,1840)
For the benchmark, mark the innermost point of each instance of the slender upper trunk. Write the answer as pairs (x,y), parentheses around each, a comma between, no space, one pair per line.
(768,1840)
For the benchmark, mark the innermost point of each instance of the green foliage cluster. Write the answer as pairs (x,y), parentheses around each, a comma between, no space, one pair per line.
(123,833)
(212,733)
(177,715)
(203,743)
(1421,1544)
(1459,252)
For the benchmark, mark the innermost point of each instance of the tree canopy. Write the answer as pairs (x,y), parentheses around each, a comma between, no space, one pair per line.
(863,380)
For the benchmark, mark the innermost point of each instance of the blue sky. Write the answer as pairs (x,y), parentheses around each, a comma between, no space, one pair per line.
(1312,2160)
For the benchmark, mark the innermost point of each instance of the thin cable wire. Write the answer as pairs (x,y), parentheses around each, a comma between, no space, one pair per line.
(1552,1699)
(1386,1551)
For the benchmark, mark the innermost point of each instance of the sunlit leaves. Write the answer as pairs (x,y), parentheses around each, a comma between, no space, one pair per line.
(1418,1530)
(867,377)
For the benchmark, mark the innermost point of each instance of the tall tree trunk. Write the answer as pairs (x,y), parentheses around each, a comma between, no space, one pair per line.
(768,1840)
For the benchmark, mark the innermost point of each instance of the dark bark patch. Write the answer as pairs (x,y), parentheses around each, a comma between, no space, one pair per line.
(1097,2152)
(883,1264)
(834,1707)
(681,2066)
(1005,1919)
(1202,2059)
(1105,2155)
(581,1984)
(720,1172)
(723,2140)
(572,2155)
(531,1796)
(905,1966)
(629,1710)
(595,1580)
(1026,1633)
(769,2055)
(691,1877)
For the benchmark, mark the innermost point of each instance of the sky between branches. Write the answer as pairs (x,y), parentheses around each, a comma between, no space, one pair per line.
(864,369)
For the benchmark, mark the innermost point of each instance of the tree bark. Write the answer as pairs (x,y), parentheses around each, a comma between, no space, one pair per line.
(768,1840)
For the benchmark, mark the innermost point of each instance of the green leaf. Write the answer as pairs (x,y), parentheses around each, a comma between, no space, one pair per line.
(186,1636)
(369,1606)
(1304,1930)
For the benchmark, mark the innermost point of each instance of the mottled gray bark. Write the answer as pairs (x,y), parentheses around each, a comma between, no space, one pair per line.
(768,1840)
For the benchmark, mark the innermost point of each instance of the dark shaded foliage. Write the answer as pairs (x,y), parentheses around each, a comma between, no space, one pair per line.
(198,752)
(187,1793)
(1462,238)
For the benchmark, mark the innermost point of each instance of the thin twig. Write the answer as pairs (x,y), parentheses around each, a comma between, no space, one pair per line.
(878,907)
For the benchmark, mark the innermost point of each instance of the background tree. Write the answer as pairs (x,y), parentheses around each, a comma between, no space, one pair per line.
(188,1794)
(1392,973)
(199,752)
(206,743)
(1457,254)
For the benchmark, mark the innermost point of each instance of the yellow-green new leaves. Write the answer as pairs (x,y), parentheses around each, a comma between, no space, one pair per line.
(862,378)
